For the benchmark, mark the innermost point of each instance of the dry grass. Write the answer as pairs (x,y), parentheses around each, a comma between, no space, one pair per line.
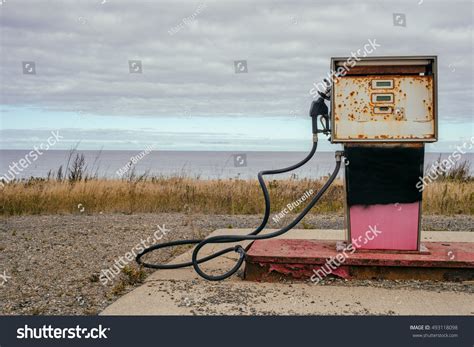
(76,188)
(189,195)
(449,197)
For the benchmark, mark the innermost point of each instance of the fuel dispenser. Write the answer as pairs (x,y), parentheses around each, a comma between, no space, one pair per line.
(383,111)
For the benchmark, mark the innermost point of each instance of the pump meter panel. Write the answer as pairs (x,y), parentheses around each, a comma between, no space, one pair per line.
(384,100)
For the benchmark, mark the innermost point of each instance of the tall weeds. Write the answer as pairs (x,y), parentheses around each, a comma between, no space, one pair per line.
(62,191)
(179,194)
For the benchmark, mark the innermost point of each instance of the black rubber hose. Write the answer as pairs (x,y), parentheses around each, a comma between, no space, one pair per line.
(238,238)
(255,232)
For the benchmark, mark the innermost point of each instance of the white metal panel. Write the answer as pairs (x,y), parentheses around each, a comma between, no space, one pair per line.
(357,116)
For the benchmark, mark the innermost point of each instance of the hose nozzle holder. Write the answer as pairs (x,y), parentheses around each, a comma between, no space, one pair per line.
(320,109)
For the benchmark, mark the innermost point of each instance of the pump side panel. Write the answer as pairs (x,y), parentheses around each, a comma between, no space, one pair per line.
(383,197)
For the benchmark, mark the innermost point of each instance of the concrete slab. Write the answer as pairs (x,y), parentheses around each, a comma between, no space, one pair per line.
(183,292)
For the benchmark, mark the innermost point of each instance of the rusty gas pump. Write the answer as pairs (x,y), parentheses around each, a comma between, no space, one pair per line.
(383,112)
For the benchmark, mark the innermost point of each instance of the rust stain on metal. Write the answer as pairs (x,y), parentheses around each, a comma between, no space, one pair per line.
(400,69)
(403,107)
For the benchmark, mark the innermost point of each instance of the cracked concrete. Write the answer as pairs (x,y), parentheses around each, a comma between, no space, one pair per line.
(183,292)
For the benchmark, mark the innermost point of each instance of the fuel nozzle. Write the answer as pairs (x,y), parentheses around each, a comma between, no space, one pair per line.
(326,93)
(320,110)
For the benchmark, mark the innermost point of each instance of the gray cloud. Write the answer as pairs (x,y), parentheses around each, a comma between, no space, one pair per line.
(81,50)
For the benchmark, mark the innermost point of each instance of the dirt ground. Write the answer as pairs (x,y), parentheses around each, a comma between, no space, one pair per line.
(52,264)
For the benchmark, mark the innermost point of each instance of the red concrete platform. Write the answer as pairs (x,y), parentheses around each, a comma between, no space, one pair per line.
(275,259)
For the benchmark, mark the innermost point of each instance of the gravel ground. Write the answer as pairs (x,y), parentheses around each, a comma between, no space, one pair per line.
(51,264)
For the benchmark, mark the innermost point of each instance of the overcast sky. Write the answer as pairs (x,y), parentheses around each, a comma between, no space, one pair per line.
(188,95)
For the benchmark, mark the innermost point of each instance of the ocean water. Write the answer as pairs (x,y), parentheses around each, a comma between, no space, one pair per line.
(201,164)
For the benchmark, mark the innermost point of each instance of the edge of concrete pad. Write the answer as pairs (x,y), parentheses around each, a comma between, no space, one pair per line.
(179,282)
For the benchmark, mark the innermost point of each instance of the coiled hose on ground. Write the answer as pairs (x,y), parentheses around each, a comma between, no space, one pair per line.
(237,238)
